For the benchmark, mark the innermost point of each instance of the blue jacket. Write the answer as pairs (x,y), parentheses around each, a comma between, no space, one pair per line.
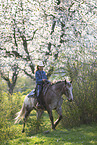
(39,76)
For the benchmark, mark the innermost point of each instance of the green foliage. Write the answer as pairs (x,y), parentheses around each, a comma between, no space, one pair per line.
(83,110)
(24,84)
(3,85)
(26,92)
(9,105)
(33,127)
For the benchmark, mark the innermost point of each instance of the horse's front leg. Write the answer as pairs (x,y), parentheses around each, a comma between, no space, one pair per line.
(59,111)
(51,118)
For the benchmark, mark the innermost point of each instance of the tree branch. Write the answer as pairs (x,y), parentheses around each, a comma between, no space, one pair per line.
(28,74)
(53,26)
(32,36)
(4,77)
(50,71)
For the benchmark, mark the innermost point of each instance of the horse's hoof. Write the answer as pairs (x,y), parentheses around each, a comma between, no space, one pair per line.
(46,132)
(53,128)
(23,131)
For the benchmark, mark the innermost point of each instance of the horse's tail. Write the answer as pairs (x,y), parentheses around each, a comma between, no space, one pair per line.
(20,114)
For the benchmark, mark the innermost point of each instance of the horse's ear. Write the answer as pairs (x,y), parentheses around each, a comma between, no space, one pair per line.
(71,81)
(65,82)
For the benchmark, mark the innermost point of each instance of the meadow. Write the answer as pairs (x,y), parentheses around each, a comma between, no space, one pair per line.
(83,135)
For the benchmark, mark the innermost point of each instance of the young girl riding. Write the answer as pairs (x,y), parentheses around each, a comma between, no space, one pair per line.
(41,77)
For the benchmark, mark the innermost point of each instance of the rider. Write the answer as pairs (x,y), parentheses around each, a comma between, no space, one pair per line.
(40,78)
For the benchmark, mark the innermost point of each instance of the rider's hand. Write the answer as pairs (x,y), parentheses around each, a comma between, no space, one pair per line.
(43,80)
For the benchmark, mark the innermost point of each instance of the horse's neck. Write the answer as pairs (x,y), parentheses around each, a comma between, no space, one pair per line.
(58,87)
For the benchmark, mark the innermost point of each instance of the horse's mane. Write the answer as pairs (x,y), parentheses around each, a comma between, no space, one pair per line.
(57,82)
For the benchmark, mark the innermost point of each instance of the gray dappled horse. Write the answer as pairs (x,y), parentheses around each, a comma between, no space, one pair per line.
(52,100)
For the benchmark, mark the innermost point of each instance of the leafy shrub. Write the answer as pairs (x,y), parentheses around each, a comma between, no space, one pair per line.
(9,105)
(83,110)
(71,115)
(33,126)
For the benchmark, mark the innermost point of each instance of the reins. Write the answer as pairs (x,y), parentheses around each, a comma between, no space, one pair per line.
(54,91)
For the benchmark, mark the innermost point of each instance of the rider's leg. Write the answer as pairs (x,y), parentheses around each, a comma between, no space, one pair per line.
(38,91)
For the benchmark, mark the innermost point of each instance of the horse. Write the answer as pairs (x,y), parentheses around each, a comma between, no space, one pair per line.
(52,100)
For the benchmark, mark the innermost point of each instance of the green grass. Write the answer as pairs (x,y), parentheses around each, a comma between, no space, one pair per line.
(83,135)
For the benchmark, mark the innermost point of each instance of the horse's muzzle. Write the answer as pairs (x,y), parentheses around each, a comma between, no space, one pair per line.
(70,100)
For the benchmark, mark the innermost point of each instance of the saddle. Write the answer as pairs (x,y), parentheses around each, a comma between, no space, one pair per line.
(45,87)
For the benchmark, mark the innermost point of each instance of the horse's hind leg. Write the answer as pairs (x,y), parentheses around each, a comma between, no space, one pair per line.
(39,114)
(25,119)
(59,111)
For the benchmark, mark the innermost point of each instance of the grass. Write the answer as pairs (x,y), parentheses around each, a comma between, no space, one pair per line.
(83,135)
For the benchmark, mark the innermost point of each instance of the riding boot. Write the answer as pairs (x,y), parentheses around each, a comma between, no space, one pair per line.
(39,103)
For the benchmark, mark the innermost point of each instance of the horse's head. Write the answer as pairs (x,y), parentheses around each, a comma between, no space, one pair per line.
(68,90)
